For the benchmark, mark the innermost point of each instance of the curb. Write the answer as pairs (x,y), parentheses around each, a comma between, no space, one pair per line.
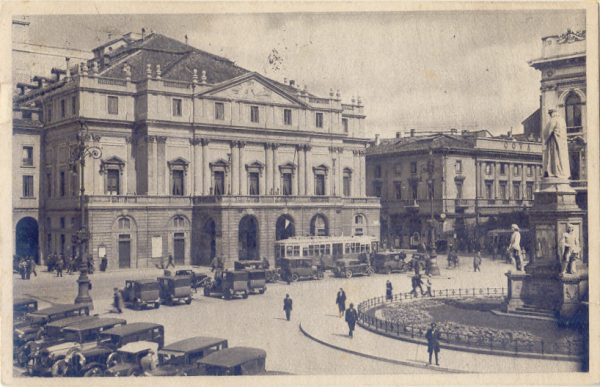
(379,358)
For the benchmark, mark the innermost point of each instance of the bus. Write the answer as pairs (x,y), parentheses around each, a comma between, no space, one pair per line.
(330,248)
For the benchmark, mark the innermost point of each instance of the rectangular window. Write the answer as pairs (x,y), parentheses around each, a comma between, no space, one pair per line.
(112,182)
(415,191)
(49,242)
(62,243)
(287,184)
(219,183)
(254,114)
(28,186)
(219,111)
(74,105)
(516,170)
(177,109)
(377,189)
(49,184)
(177,183)
(413,167)
(489,190)
(503,193)
(516,191)
(113,105)
(459,190)
(458,167)
(63,108)
(378,171)
(345,125)
(287,116)
(488,168)
(529,191)
(254,181)
(320,185)
(319,120)
(27,156)
(62,183)
(74,184)
(502,168)
(398,190)
(62,222)
(529,170)
(347,181)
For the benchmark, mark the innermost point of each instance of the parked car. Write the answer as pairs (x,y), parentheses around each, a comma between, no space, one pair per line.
(132,359)
(234,361)
(349,267)
(22,306)
(271,275)
(391,261)
(293,269)
(27,329)
(228,284)
(181,358)
(198,279)
(138,294)
(54,358)
(175,289)
(48,335)
(257,281)
(92,360)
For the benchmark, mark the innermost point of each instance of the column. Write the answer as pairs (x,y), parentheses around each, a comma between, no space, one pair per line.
(340,176)
(480,182)
(242,176)
(355,175)
(206,173)
(234,181)
(509,181)
(523,180)
(300,171)
(131,160)
(361,160)
(163,185)
(496,184)
(268,170)
(275,169)
(310,190)
(152,165)
(198,165)
(332,180)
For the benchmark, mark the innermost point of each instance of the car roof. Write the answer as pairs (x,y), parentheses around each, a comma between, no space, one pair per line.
(231,357)
(131,328)
(58,308)
(193,344)
(139,346)
(63,322)
(144,281)
(175,277)
(94,324)
(23,300)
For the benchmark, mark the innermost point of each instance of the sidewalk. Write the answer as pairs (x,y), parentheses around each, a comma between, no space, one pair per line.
(332,331)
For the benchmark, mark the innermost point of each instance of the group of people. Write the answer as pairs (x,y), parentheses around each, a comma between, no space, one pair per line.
(59,263)
(26,266)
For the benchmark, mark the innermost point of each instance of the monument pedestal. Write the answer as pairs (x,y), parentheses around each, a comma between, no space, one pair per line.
(542,287)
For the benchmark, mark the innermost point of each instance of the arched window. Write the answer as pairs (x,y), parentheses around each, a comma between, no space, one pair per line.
(178,222)
(573,112)
(124,223)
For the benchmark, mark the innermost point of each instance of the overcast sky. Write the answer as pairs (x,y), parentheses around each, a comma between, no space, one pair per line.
(412,70)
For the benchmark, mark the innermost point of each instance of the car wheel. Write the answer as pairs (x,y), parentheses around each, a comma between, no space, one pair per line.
(60,368)
(134,372)
(206,292)
(227,294)
(262,291)
(245,295)
(94,371)
(348,274)
(188,300)
(369,271)
(23,357)
(295,277)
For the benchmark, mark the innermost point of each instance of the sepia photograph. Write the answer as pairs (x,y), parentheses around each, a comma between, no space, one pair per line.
(301,192)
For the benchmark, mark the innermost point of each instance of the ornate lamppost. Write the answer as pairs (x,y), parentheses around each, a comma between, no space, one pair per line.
(78,153)
(434,269)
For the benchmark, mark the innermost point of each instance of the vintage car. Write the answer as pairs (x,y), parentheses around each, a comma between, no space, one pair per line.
(138,294)
(293,269)
(133,359)
(181,358)
(198,279)
(52,358)
(234,361)
(350,267)
(22,306)
(391,261)
(257,281)
(175,289)
(47,335)
(92,360)
(27,329)
(228,284)
(271,275)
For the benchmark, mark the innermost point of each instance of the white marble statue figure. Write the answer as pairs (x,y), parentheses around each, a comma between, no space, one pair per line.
(556,152)
(569,251)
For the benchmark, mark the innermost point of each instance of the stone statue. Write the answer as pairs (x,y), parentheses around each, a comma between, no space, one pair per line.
(514,248)
(556,152)
(569,251)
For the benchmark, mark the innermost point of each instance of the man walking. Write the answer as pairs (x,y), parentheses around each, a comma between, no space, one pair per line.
(117,300)
(32,266)
(477,262)
(340,300)
(514,249)
(287,306)
(60,262)
(417,282)
(388,291)
(433,342)
(429,285)
(351,317)
(170,262)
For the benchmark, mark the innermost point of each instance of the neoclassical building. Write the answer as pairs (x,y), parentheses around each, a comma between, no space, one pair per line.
(200,157)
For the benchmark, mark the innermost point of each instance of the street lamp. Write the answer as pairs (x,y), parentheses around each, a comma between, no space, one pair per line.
(434,269)
(78,153)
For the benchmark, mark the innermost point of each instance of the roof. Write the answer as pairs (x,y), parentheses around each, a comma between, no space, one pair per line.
(58,308)
(193,344)
(423,143)
(125,330)
(144,281)
(95,324)
(22,301)
(139,346)
(231,357)
(63,322)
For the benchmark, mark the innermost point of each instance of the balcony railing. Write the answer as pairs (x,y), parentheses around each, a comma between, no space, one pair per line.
(449,205)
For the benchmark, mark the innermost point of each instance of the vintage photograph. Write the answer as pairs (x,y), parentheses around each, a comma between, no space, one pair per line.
(299,193)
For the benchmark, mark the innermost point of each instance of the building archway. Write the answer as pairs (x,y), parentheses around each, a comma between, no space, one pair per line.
(285,227)
(26,238)
(248,238)
(208,242)
(319,225)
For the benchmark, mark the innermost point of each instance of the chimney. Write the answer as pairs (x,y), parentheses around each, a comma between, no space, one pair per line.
(376,138)
(292,83)
(453,131)
(464,132)
(68,73)
(186,39)
(143,33)
(398,134)
(412,132)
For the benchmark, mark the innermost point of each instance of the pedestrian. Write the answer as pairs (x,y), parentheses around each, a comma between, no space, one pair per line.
(28,268)
(417,282)
(32,267)
(103,263)
(477,261)
(514,248)
(22,268)
(429,286)
(340,300)
(265,263)
(117,300)
(59,266)
(388,291)
(433,343)
(170,262)
(351,317)
(287,306)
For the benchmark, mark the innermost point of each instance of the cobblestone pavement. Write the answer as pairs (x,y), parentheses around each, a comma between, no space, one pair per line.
(259,320)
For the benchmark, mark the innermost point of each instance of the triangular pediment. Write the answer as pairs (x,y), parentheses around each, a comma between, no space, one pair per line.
(114,160)
(253,87)
(179,161)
